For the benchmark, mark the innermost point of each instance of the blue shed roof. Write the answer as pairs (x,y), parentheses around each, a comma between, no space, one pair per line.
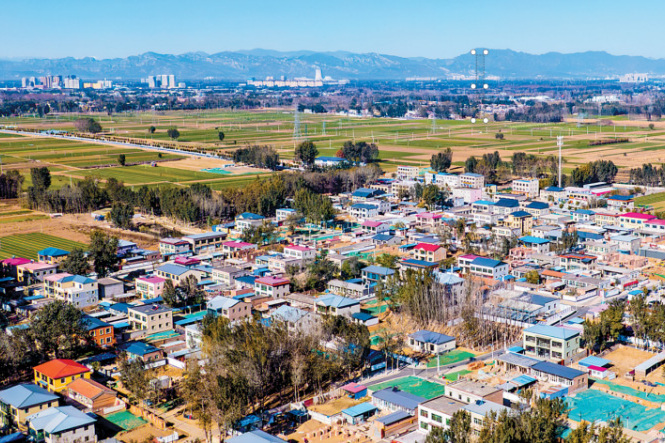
(592,360)
(399,398)
(486,262)
(53,252)
(426,336)
(393,418)
(558,370)
(380,270)
(358,410)
(533,240)
(552,331)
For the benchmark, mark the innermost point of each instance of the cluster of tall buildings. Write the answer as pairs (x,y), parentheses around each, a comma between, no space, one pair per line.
(163,81)
(51,82)
(298,82)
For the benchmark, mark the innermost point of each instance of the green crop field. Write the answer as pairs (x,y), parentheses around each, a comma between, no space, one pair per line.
(148,174)
(656,200)
(400,142)
(27,245)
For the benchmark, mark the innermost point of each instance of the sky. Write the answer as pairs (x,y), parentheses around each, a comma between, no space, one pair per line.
(409,28)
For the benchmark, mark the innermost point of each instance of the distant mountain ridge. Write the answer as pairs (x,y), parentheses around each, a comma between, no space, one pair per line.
(260,63)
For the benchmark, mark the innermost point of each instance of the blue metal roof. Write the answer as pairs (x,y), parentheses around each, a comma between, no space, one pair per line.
(393,418)
(53,252)
(558,370)
(523,380)
(520,214)
(358,410)
(173,269)
(554,189)
(426,336)
(621,197)
(380,270)
(486,262)
(399,398)
(59,419)
(256,436)
(537,205)
(592,360)
(534,240)
(26,395)
(337,301)
(507,203)
(362,316)
(249,216)
(137,348)
(419,263)
(584,212)
(483,202)
(364,206)
(552,331)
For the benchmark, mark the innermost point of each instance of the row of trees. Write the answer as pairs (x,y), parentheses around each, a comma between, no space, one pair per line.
(648,175)
(198,203)
(10,184)
(532,165)
(490,166)
(595,171)
(442,161)
(260,156)
(251,366)
(360,152)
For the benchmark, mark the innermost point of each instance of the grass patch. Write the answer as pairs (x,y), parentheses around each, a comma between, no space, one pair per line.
(454,356)
(27,245)
(413,385)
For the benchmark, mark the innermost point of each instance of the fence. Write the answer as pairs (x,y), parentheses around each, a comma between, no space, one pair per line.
(155,420)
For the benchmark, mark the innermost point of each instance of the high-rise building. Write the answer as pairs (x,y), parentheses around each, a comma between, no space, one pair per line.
(151,82)
(172,81)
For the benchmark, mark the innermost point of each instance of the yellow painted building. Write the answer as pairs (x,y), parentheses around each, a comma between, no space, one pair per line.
(55,375)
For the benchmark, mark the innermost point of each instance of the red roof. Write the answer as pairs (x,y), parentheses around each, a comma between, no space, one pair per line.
(272,281)
(60,368)
(372,224)
(354,388)
(639,216)
(427,247)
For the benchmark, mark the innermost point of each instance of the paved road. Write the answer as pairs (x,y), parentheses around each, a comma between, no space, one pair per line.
(109,142)
(406,371)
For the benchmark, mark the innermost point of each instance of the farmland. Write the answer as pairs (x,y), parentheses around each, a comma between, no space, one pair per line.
(409,142)
(27,245)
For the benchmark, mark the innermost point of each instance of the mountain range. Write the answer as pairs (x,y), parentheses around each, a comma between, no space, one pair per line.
(259,63)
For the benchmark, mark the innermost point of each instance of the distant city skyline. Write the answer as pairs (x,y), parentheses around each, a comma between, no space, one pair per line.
(434,29)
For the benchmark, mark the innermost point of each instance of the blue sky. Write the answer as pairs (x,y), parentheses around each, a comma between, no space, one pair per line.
(436,28)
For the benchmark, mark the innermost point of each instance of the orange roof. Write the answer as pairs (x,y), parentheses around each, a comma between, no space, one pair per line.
(61,368)
(551,273)
(89,388)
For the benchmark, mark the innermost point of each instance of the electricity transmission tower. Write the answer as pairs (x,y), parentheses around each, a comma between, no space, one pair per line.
(296,124)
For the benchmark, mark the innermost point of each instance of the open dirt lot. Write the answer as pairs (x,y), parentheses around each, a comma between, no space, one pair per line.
(625,358)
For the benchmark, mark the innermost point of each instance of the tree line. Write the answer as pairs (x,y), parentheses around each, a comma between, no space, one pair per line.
(259,156)
(253,365)
(199,203)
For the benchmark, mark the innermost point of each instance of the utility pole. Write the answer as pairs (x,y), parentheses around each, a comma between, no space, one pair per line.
(559,142)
